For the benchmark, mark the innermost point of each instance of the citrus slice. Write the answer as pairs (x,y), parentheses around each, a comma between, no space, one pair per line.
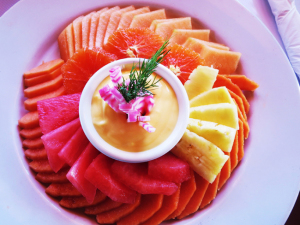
(182,62)
(84,63)
(134,43)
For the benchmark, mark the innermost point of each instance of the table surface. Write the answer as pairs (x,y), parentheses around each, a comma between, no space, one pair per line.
(260,9)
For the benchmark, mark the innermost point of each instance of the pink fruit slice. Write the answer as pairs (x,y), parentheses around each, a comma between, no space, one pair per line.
(135,176)
(77,29)
(144,20)
(86,23)
(56,140)
(102,25)
(99,174)
(93,27)
(126,18)
(169,168)
(114,21)
(75,146)
(55,112)
(76,173)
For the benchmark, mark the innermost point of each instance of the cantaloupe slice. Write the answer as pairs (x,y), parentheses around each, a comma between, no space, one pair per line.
(210,193)
(220,135)
(44,68)
(63,45)
(165,29)
(179,36)
(243,82)
(144,20)
(62,190)
(155,22)
(86,24)
(93,27)
(102,25)
(77,30)
(29,120)
(127,18)
(197,45)
(42,78)
(36,154)
(70,39)
(222,113)
(52,177)
(225,61)
(213,96)
(43,88)
(225,173)
(115,20)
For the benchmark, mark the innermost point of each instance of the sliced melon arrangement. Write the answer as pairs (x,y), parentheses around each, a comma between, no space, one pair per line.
(171,187)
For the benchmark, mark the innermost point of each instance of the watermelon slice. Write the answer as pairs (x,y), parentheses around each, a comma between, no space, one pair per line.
(55,112)
(169,168)
(56,140)
(135,176)
(98,173)
(75,146)
(76,173)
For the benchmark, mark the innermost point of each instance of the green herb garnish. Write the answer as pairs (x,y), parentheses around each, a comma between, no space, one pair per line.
(139,85)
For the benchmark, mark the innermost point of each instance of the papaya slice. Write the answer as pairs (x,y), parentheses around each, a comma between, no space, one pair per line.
(225,172)
(149,205)
(104,206)
(29,120)
(44,68)
(62,190)
(33,143)
(234,152)
(31,133)
(52,177)
(42,78)
(40,166)
(241,141)
(210,193)
(114,215)
(36,154)
(243,82)
(239,103)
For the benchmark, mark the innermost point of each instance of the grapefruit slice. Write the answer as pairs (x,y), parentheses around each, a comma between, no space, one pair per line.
(77,29)
(133,42)
(98,173)
(93,27)
(114,21)
(44,68)
(56,139)
(86,24)
(169,168)
(78,70)
(76,173)
(102,25)
(179,36)
(166,28)
(182,62)
(197,45)
(56,112)
(135,176)
(127,17)
(144,20)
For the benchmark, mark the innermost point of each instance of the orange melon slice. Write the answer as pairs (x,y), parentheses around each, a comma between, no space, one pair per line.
(70,39)
(155,22)
(41,166)
(63,45)
(79,202)
(225,172)
(36,154)
(42,78)
(33,143)
(210,193)
(234,152)
(114,215)
(44,68)
(197,45)
(86,24)
(149,205)
(169,205)
(59,177)
(31,133)
(243,82)
(179,36)
(165,29)
(62,189)
(29,120)
(241,141)
(195,201)
(115,20)
(239,103)
(187,190)
(104,206)
(77,30)
(93,27)
(127,17)
(102,25)
(144,20)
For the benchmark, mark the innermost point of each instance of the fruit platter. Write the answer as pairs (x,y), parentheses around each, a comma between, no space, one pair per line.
(240,128)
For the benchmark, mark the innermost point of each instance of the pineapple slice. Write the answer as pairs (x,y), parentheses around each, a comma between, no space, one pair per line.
(213,96)
(204,157)
(220,135)
(201,79)
(222,113)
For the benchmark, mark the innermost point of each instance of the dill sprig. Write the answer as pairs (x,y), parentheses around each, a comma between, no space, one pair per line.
(140,85)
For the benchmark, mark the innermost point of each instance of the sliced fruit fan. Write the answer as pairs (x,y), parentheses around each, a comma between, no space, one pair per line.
(123,193)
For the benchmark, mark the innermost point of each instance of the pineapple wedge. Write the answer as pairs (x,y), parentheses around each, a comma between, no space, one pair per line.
(201,79)
(220,135)
(204,157)
(213,96)
(222,113)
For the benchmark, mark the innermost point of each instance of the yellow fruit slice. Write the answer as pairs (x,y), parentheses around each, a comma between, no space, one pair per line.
(204,157)
(213,96)
(127,18)
(201,79)
(197,45)
(144,20)
(220,135)
(165,29)
(222,113)
(179,36)
(93,27)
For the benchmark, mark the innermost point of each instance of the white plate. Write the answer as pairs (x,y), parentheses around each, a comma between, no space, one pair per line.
(265,185)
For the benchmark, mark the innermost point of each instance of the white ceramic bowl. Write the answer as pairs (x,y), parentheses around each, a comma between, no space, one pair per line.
(118,154)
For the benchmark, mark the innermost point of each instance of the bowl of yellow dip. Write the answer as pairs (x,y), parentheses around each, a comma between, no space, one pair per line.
(110,132)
